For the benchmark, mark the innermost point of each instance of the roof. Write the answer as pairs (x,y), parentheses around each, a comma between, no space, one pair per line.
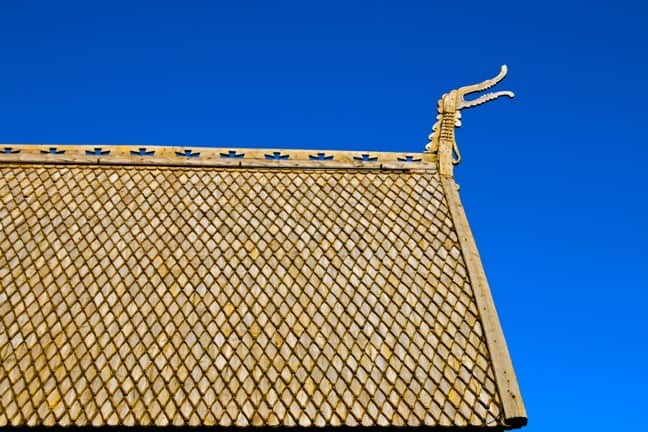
(163,285)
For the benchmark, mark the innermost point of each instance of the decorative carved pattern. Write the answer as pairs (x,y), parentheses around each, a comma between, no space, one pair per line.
(142,152)
(210,156)
(365,157)
(188,154)
(320,156)
(97,151)
(52,151)
(277,156)
(232,154)
(442,139)
(409,158)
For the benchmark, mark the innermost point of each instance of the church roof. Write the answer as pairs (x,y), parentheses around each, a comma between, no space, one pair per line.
(205,286)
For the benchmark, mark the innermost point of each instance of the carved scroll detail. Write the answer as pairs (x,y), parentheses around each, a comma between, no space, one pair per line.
(442,139)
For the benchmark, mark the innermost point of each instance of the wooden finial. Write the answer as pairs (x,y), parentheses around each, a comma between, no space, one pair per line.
(442,139)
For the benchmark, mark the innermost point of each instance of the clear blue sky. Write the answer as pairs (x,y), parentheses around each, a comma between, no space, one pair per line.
(554,181)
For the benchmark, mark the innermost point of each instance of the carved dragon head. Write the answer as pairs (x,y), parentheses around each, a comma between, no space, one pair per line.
(454,101)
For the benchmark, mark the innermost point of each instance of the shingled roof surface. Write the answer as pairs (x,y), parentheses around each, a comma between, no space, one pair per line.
(213,287)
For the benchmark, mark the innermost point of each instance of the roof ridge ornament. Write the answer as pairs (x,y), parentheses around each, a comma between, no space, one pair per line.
(442,139)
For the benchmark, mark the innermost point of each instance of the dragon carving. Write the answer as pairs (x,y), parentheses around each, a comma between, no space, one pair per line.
(442,139)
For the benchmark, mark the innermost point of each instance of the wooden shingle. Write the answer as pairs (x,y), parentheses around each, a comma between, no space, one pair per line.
(206,289)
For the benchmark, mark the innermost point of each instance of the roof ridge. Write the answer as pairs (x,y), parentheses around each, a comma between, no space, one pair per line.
(212,156)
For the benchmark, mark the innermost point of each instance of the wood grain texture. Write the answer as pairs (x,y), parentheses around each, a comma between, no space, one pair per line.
(512,403)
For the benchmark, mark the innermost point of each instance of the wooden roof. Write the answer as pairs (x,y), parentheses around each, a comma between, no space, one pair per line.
(160,285)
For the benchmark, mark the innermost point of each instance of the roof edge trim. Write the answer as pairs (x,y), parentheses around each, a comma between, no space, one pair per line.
(212,157)
(514,412)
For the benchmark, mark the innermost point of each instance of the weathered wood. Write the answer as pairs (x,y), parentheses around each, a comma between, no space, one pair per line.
(512,403)
(211,157)
(442,140)
(162,295)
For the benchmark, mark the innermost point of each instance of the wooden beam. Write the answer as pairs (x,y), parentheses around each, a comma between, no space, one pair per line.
(505,379)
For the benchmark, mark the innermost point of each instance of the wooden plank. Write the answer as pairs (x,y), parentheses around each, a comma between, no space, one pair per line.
(514,411)
(213,157)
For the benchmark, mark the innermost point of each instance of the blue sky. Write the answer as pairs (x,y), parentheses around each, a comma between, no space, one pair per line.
(553,181)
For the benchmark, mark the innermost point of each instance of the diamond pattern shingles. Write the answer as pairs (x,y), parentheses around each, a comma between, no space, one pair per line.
(153,295)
